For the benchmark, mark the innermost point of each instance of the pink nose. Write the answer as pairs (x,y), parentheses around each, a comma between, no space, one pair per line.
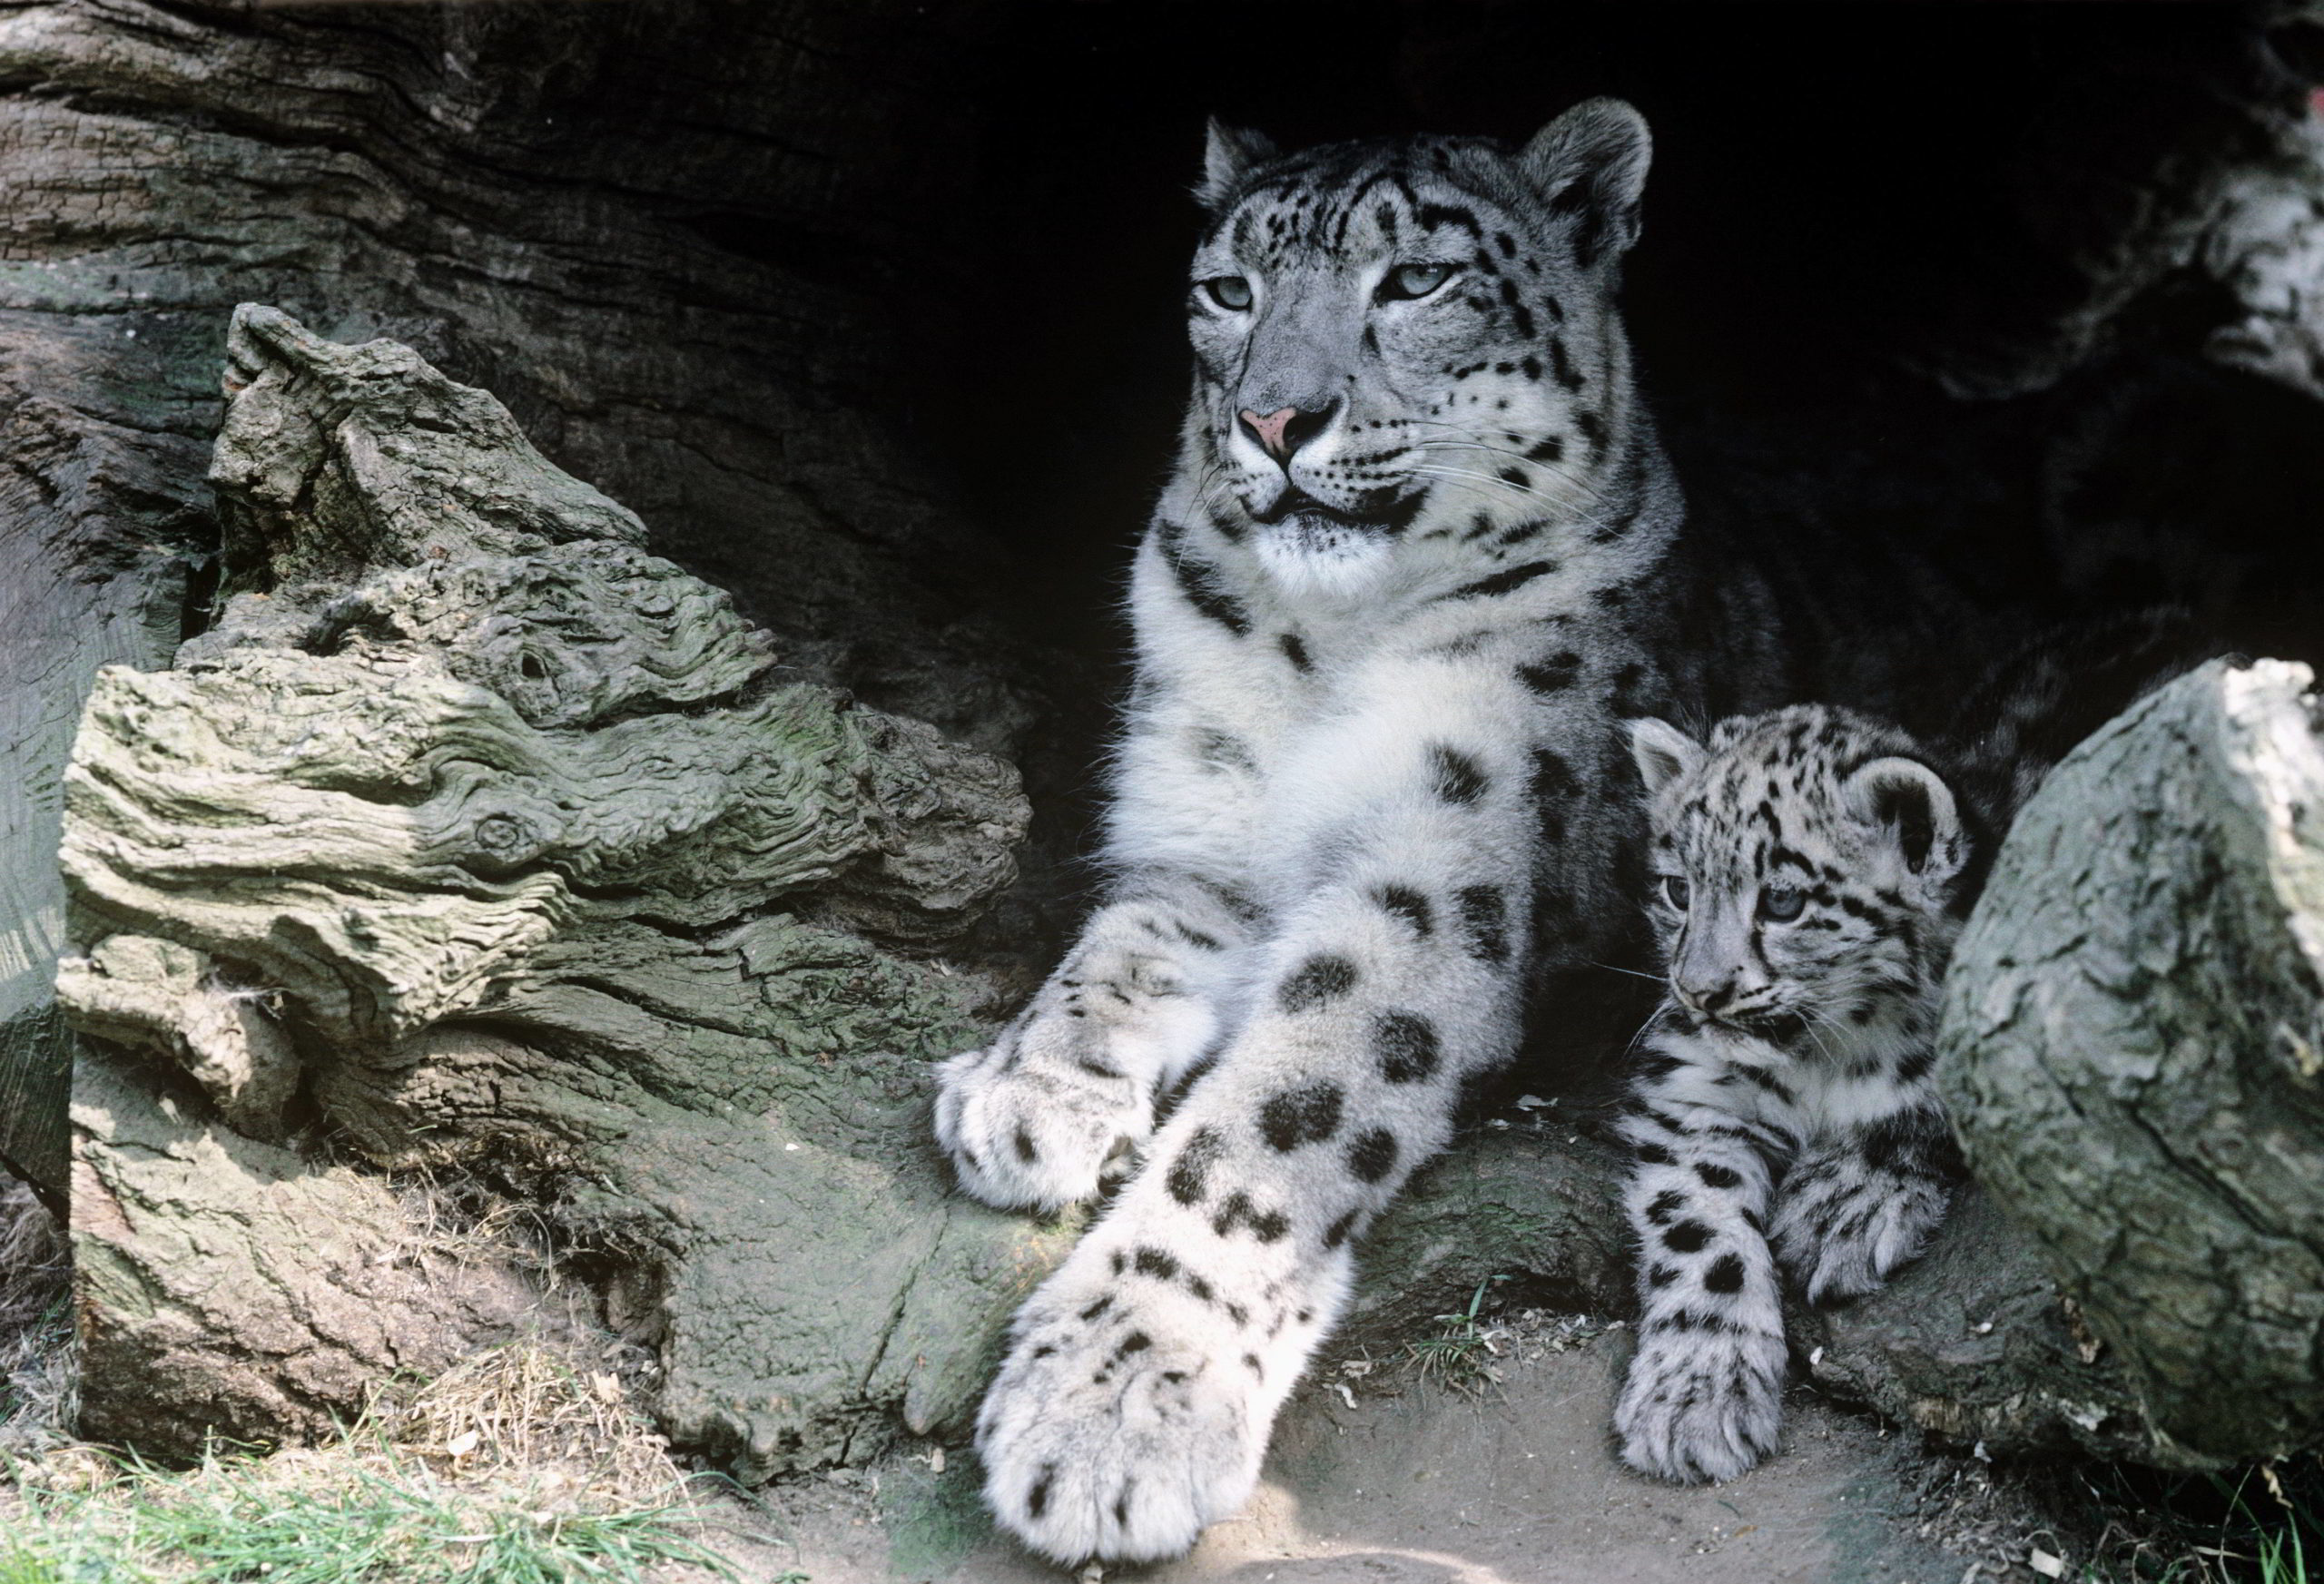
(1269,429)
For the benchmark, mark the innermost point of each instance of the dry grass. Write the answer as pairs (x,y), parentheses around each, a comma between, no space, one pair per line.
(514,1468)
(36,1372)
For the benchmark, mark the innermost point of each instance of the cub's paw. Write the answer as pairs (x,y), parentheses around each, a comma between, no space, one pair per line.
(1701,1405)
(1841,1235)
(1125,1421)
(1040,1118)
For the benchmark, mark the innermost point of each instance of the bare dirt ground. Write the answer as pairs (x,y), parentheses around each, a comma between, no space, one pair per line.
(1413,1483)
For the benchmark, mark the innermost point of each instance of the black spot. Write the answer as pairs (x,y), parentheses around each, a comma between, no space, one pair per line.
(1199,1288)
(1915,1067)
(1198,939)
(1320,980)
(1548,448)
(1458,778)
(1653,1155)
(1553,674)
(1307,1114)
(1095,1310)
(1408,905)
(1251,1361)
(1571,378)
(1223,750)
(1337,1233)
(1025,1150)
(1592,428)
(1266,1225)
(1517,478)
(1716,1177)
(1295,652)
(1685,1237)
(1406,1045)
(1198,583)
(1373,1156)
(1037,1500)
(1189,1175)
(1484,915)
(1502,582)
(1121,1509)
(1153,1262)
(1661,1275)
(1664,1206)
(1725,1275)
(1552,786)
(1136,1342)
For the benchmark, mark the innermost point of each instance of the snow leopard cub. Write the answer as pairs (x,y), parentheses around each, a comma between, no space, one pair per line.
(1805,867)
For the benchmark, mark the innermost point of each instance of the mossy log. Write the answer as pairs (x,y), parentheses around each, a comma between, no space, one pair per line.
(474,839)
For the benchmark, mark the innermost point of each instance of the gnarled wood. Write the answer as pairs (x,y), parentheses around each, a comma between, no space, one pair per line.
(2131,1033)
(489,841)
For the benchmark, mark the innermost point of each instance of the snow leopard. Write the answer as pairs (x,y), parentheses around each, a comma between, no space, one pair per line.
(1413,570)
(1807,863)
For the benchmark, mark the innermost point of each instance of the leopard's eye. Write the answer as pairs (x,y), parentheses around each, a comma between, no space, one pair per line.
(1231,293)
(1675,891)
(1410,280)
(1781,904)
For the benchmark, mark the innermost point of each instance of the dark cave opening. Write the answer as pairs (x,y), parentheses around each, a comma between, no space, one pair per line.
(1901,292)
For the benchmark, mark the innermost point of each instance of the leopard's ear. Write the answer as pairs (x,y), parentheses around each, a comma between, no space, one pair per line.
(1228,154)
(1911,801)
(1664,753)
(1590,163)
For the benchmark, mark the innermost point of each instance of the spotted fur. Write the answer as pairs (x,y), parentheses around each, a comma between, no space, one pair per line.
(1805,866)
(1372,782)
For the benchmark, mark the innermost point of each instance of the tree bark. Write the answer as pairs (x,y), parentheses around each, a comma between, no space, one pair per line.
(674,237)
(494,845)
(2131,1033)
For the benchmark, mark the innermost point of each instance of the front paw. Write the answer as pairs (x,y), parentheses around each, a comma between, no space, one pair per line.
(1700,1404)
(1841,1240)
(1039,1120)
(1126,1420)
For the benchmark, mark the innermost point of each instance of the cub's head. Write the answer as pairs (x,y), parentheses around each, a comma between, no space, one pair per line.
(1805,862)
(1410,332)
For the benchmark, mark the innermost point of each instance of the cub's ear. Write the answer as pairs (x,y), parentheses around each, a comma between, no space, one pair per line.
(1663,752)
(1914,805)
(1227,152)
(1592,161)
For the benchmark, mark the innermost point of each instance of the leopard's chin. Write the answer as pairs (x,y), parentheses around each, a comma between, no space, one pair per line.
(1324,554)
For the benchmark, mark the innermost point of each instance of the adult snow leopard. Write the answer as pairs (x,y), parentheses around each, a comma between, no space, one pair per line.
(1398,594)
(1807,863)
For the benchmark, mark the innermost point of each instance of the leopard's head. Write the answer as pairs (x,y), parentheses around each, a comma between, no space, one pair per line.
(1396,335)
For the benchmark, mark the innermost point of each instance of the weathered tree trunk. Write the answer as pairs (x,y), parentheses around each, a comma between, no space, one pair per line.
(674,237)
(2132,1031)
(489,844)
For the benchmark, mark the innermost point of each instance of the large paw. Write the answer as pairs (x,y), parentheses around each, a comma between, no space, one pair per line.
(1841,1235)
(1040,1118)
(1700,1404)
(1127,1419)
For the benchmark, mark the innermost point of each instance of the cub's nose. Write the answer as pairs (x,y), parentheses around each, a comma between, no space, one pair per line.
(1284,430)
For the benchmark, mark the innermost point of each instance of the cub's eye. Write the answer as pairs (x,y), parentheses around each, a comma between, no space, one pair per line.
(1410,280)
(1781,904)
(1675,891)
(1229,291)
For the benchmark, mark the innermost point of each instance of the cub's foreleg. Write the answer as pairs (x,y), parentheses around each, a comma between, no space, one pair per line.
(1704,1396)
(1852,1210)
